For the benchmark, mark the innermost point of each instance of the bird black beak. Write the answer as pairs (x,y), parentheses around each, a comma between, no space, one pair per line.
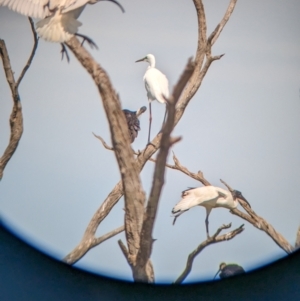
(242,198)
(140,60)
(115,2)
(216,274)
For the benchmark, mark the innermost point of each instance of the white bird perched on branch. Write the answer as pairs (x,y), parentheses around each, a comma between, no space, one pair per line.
(209,197)
(59,17)
(156,84)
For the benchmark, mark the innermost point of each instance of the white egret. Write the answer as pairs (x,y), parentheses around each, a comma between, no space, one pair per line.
(133,122)
(59,17)
(209,197)
(228,270)
(156,84)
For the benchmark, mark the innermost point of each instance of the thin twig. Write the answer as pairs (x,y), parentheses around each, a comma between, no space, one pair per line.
(215,34)
(35,45)
(211,240)
(104,143)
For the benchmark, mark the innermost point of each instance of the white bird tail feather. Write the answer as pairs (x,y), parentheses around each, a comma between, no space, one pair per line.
(58,28)
(186,203)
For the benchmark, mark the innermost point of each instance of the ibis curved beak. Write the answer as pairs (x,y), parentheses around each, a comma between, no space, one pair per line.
(241,197)
(216,274)
(115,2)
(140,60)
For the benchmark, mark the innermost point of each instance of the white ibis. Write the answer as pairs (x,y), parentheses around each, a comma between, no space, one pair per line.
(228,270)
(209,197)
(59,17)
(157,86)
(133,122)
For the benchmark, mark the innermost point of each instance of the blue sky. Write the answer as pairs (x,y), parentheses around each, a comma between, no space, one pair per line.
(241,126)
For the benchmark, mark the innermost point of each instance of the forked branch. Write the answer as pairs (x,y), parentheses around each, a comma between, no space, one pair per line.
(250,216)
(261,224)
(93,242)
(133,191)
(190,90)
(16,117)
(211,240)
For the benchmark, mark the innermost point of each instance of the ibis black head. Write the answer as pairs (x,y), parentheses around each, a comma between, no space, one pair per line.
(238,195)
(222,266)
(228,270)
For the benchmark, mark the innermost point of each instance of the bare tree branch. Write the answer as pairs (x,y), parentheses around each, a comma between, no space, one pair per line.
(35,44)
(139,112)
(103,142)
(211,240)
(125,252)
(190,90)
(197,176)
(261,224)
(80,252)
(215,34)
(257,221)
(146,241)
(133,191)
(16,117)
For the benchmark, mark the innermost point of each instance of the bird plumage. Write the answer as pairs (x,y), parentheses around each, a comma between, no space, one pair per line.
(59,17)
(228,270)
(209,197)
(133,124)
(156,84)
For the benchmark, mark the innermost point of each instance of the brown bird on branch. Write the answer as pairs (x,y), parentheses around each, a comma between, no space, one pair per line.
(133,122)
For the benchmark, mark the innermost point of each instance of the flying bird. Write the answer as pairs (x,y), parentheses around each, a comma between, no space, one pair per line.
(209,197)
(59,17)
(156,84)
(133,122)
(228,270)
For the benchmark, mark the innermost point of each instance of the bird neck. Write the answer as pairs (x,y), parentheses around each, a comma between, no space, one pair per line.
(151,63)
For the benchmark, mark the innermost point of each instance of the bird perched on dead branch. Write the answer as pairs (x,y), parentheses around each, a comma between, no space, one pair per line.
(209,197)
(156,84)
(59,17)
(228,270)
(133,122)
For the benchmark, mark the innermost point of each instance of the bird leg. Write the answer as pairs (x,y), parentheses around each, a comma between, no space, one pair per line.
(165,115)
(217,274)
(85,38)
(208,210)
(150,121)
(64,52)
(206,224)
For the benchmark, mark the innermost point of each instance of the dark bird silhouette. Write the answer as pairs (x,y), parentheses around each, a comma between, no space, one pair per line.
(133,122)
(228,270)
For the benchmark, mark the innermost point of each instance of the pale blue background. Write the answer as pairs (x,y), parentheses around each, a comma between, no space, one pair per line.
(241,126)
